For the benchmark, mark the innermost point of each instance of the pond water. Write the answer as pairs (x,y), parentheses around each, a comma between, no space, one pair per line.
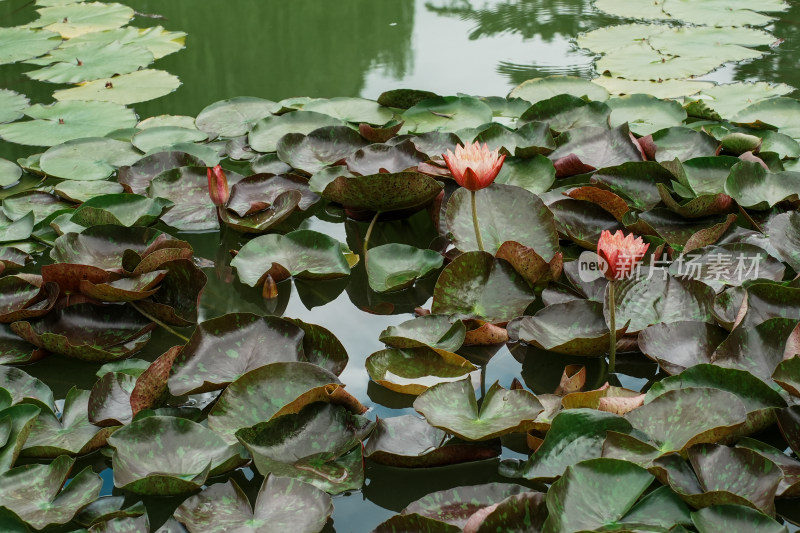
(276,49)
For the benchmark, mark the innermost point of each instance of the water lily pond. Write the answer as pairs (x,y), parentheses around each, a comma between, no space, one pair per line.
(242,290)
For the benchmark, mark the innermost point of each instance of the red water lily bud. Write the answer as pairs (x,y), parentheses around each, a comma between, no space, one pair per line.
(218,186)
(473,166)
(620,253)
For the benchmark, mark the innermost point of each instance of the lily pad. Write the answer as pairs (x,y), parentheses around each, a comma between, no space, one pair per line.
(590,148)
(415,370)
(754,187)
(351,109)
(645,114)
(319,445)
(139,86)
(282,504)
(87,159)
(450,113)
(319,148)
(235,116)
(731,518)
(33,492)
(155,137)
(402,191)
(304,254)
(159,41)
(91,61)
(65,121)
(397,266)
(16,423)
(679,345)
(24,43)
(73,20)
(435,331)
(13,104)
(538,89)
(120,210)
(376,158)
(453,408)
(455,506)
(266,133)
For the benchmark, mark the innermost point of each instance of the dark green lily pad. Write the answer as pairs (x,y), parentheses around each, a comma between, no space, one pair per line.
(475,285)
(591,148)
(679,345)
(282,504)
(234,117)
(729,518)
(15,351)
(566,112)
(504,214)
(707,415)
(320,148)
(303,254)
(535,174)
(120,210)
(754,187)
(410,442)
(577,328)
(516,513)
(176,300)
(187,188)
(435,331)
(784,236)
(391,158)
(401,191)
(71,434)
(16,423)
(453,408)
(107,508)
(257,192)
(25,388)
(415,370)
(320,445)
(537,89)
(266,133)
(168,456)
(455,506)
(33,492)
(110,399)
(789,486)
(769,300)
(24,296)
(450,113)
(574,436)
(102,246)
(137,177)
(282,388)
(787,375)
(414,523)
(758,349)
(88,332)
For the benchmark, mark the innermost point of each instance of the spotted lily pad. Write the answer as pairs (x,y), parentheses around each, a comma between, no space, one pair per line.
(453,408)
(120,210)
(455,506)
(16,423)
(677,346)
(234,117)
(752,186)
(33,492)
(401,191)
(24,297)
(730,518)
(448,113)
(266,133)
(415,370)
(397,266)
(187,453)
(320,148)
(282,504)
(435,331)
(320,445)
(476,285)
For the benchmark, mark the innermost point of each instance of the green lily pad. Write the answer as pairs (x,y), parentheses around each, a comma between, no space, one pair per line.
(159,41)
(266,133)
(88,332)
(376,158)
(23,43)
(319,445)
(351,109)
(103,246)
(450,113)
(538,89)
(683,143)
(73,20)
(16,230)
(90,61)
(303,254)
(475,285)
(401,191)
(573,506)
(397,266)
(65,121)
(13,104)
(661,299)
(283,388)
(415,370)
(707,415)
(659,89)
(790,467)
(187,453)
(677,346)
(87,159)
(415,523)
(410,442)
(453,408)
(505,214)
(72,434)
(455,506)
(756,349)
(151,138)
(234,117)
(787,375)
(576,328)
(435,331)
(81,191)
(590,148)
(222,349)
(575,435)
(25,388)
(645,114)
(731,518)
(731,98)
(9,172)
(139,86)
(121,210)
(319,148)
(16,423)
(282,504)
(109,401)
(717,13)
(175,301)
(33,492)
(754,187)
(40,203)
(23,297)
(566,112)
(535,174)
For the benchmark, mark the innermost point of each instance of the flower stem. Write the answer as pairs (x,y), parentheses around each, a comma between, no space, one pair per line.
(157,321)
(612,323)
(368,235)
(475,222)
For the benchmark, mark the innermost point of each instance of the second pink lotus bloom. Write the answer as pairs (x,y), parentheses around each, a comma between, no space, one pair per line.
(473,166)
(620,252)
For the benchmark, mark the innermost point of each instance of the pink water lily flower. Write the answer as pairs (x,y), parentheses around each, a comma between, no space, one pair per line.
(218,186)
(473,166)
(621,253)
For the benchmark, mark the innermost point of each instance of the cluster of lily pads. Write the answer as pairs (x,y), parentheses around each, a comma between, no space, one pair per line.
(91,267)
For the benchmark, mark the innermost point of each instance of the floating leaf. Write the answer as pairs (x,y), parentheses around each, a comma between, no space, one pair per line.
(234,117)
(450,113)
(12,103)
(73,20)
(453,407)
(734,519)
(156,137)
(87,159)
(266,133)
(402,191)
(139,86)
(752,186)
(455,506)
(159,41)
(120,210)
(679,345)
(645,114)
(187,453)
(91,61)
(23,43)
(538,89)
(435,331)
(396,266)
(320,148)
(415,370)
(351,109)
